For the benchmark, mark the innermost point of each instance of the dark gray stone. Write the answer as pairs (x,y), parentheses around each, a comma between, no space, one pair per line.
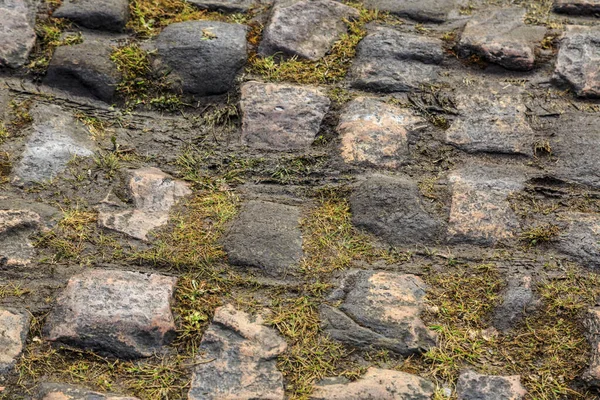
(391,208)
(238,359)
(14,326)
(228,6)
(16,226)
(380,309)
(518,300)
(578,61)
(581,239)
(419,10)
(202,57)
(591,323)
(392,61)
(502,37)
(267,236)
(577,7)
(60,391)
(306,28)
(56,138)
(109,15)
(124,314)
(17,34)
(85,69)
(473,386)
(281,116)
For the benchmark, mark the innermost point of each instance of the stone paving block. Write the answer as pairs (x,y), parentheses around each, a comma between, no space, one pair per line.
(228,6)
(473,386)
(420,10)
(60,391)
(518,300)
(17,34)
(591,323)
(581,238)
(14,327)
(577,7)
(109,15)
(16,226)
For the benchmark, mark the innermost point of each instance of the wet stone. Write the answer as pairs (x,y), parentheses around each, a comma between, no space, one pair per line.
(376,133)
(153,193)
(578,60)
(581,239)
(473,386)
(391,208)
(16,226)
(109,15)
(380,309)
(518,300)
(391,61)
(59,391)
(380,384)
(201,57)
(419,10)
(592,333)
(124,314)
(56,138)
(14,326)
(502,37)
(238,359)
(281,116)
(480,212)
(17,34)
(228,6)
(577,7)
(266,236)
(491,121)
(307,28)
(85,69)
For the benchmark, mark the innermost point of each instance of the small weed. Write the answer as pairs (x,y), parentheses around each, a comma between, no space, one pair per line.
(13,290)
(96,126)
(19,116)
(540,234)
(542,148)
(68,239)
(109,162)
(49,36)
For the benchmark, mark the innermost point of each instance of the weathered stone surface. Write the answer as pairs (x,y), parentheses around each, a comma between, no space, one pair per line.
(58,391)
(581,239)
(15,228)
(419,10)
(391,208)
(267,236)
(480,212)
(56,138)
(202,57)
(238,359)
(377,384)
(280,116)
(577,7)
(376,133)
(380,309)
(518,301)
(154,193)
(125,314)
(306,28)
(14,327)
(391,61)
(85,69)
(592,333)
(17,34)
(491,120)
(502,37)
(578,61)
(228,6)
(110,15)
(473,386)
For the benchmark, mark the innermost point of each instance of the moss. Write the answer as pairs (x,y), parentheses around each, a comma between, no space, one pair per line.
(540,234)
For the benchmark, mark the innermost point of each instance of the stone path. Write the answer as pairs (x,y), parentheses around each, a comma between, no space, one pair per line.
(299,199)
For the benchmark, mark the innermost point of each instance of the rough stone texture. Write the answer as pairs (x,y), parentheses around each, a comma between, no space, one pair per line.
(125,314)
(578,60)
(581,239)
(376,133)
(491,120)
(502,37)
(480,212)
(56,138)
(58,391)
(518,301)
(154,193)
(377,384)
(391,208)
(14,327)
(110,15)
(228,6)
(380,309)
(577,7)
(391,61)
(306,28)
(265,235)
(17,34)
(419,10)
(202,57)
(592,333)
(280,116)
(473,386)
(16,226)
(238,359)
(85,69)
